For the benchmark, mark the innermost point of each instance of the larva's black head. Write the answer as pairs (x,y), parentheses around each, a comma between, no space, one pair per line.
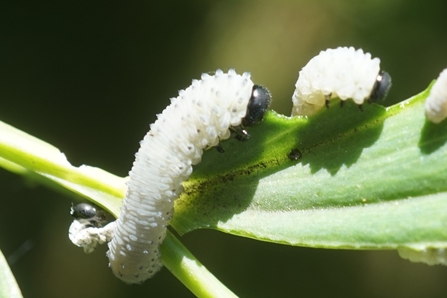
(83,211)
(381,87)
(88,212)
(257,105)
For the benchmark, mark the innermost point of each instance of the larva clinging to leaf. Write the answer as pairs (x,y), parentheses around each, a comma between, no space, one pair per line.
(200,117)
(344,73)
(436,103)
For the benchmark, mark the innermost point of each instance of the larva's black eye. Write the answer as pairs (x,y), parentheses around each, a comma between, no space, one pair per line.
(94,216)
(83,211)
(381,87)
(257,106)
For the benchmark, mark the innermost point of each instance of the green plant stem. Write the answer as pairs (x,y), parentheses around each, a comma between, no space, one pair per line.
(190,271)
(30,157)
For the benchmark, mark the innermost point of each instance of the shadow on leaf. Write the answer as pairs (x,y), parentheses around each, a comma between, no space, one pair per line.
(433,136)
(337,136)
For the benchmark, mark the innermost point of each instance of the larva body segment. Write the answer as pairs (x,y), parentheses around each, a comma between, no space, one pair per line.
(429,256)
(198,118)
(342,72)
(436,103)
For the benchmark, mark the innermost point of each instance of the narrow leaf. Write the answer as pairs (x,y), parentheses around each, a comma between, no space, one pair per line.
(375,179)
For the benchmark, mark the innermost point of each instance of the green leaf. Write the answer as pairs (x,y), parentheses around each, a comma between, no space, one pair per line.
(342,179)
(375,179)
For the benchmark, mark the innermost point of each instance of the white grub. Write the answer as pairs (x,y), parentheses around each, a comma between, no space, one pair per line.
(343,73)
(429,256)
(198,118)
(436,103)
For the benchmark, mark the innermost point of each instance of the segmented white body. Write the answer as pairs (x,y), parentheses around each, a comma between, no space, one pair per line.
(197,119)
(342,72)
(436,103)
(430,256)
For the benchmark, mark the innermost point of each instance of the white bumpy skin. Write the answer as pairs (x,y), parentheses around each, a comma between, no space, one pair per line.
(436,103)
(429,256)
(198,118)
(84,235)
(342,72)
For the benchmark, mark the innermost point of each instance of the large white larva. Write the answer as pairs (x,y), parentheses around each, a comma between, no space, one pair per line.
(436,103)
(198,118)
(342,72)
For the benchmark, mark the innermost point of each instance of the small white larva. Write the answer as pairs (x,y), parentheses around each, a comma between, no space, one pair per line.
(436,103)
(429,256)
(198,118)
(342,72)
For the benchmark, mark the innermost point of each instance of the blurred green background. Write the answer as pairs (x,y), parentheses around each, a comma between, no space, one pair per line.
(90,76)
